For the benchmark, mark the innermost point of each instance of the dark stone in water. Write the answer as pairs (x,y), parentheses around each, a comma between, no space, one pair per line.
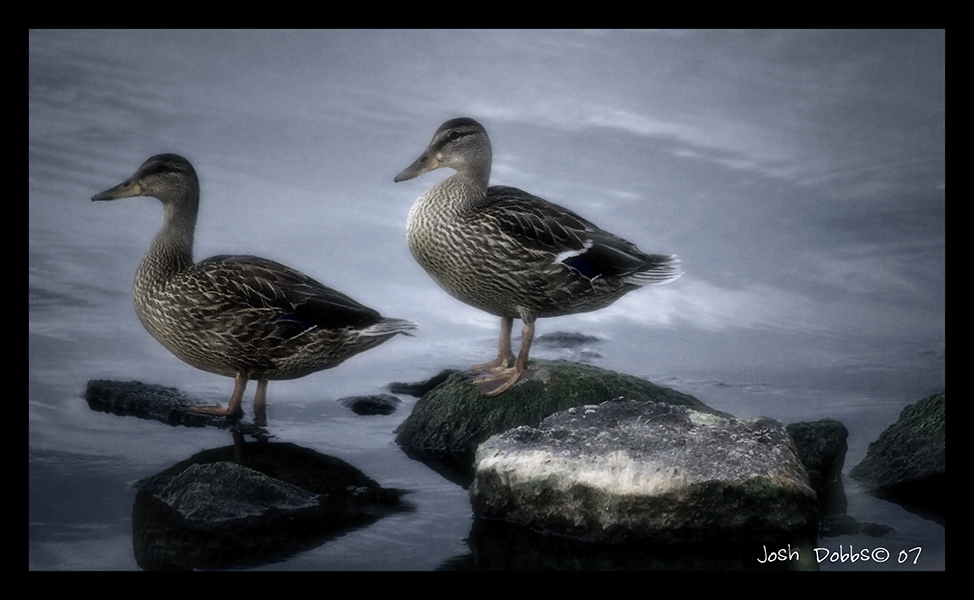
(160,403)
(420,388)
(822,447)
(223,491)
(569,345)
(146,401)
(384,404)
(251,504)
(566,339)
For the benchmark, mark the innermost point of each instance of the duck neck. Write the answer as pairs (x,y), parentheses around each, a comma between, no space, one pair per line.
(171,250)
(460,191)
(477,170)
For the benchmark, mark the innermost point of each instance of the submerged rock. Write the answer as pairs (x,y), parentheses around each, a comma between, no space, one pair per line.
(223,491)
(629,471)
(566,339)
(159,403)
(450,421)
(420,388)
(251,504)
(147,401)
(908,462)
(382,404)
(569,345)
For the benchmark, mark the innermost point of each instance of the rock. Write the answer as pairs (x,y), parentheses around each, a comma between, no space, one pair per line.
(144,400)
(251,504)
(566,339)
(382,404)
(160,403)
(907,463)
(448,423)
(628,471)
(420,388)
(568,345)
(224,491)
(822,447)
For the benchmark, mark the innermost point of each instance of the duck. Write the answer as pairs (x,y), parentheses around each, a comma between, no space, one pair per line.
(512,254)
(239,316)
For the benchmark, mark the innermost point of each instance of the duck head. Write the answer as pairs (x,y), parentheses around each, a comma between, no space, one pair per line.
(461,144)
(168,177)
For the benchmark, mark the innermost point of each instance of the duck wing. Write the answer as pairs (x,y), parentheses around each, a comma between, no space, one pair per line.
(289,299)
(537,225)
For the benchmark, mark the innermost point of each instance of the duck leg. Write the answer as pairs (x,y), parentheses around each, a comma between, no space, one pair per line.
(501,379)
(504,353)
(260,402)
(239,386)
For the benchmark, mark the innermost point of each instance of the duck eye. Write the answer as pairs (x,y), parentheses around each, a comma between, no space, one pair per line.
(454,135)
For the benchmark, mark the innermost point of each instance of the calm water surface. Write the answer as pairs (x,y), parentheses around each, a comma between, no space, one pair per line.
(802,188)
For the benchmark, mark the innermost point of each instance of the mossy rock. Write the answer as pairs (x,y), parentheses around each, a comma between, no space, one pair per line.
(450,421)
(908,462)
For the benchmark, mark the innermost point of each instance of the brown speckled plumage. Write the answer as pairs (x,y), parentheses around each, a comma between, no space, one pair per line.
(240,316)
(512,254)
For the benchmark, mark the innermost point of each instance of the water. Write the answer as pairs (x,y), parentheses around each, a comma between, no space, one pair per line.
(799,176)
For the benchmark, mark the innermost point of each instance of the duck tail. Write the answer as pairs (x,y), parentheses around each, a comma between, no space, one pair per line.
(659,269)
(387,327)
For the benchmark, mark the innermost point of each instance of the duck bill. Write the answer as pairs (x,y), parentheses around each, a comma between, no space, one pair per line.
(126,189)
(425,163)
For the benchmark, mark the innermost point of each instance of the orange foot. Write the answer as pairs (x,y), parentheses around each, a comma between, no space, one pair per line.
(500,363)
(498,381)
(223,411)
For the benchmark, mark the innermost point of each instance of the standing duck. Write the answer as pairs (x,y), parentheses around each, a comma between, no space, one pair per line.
(512,254)
(240,316)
